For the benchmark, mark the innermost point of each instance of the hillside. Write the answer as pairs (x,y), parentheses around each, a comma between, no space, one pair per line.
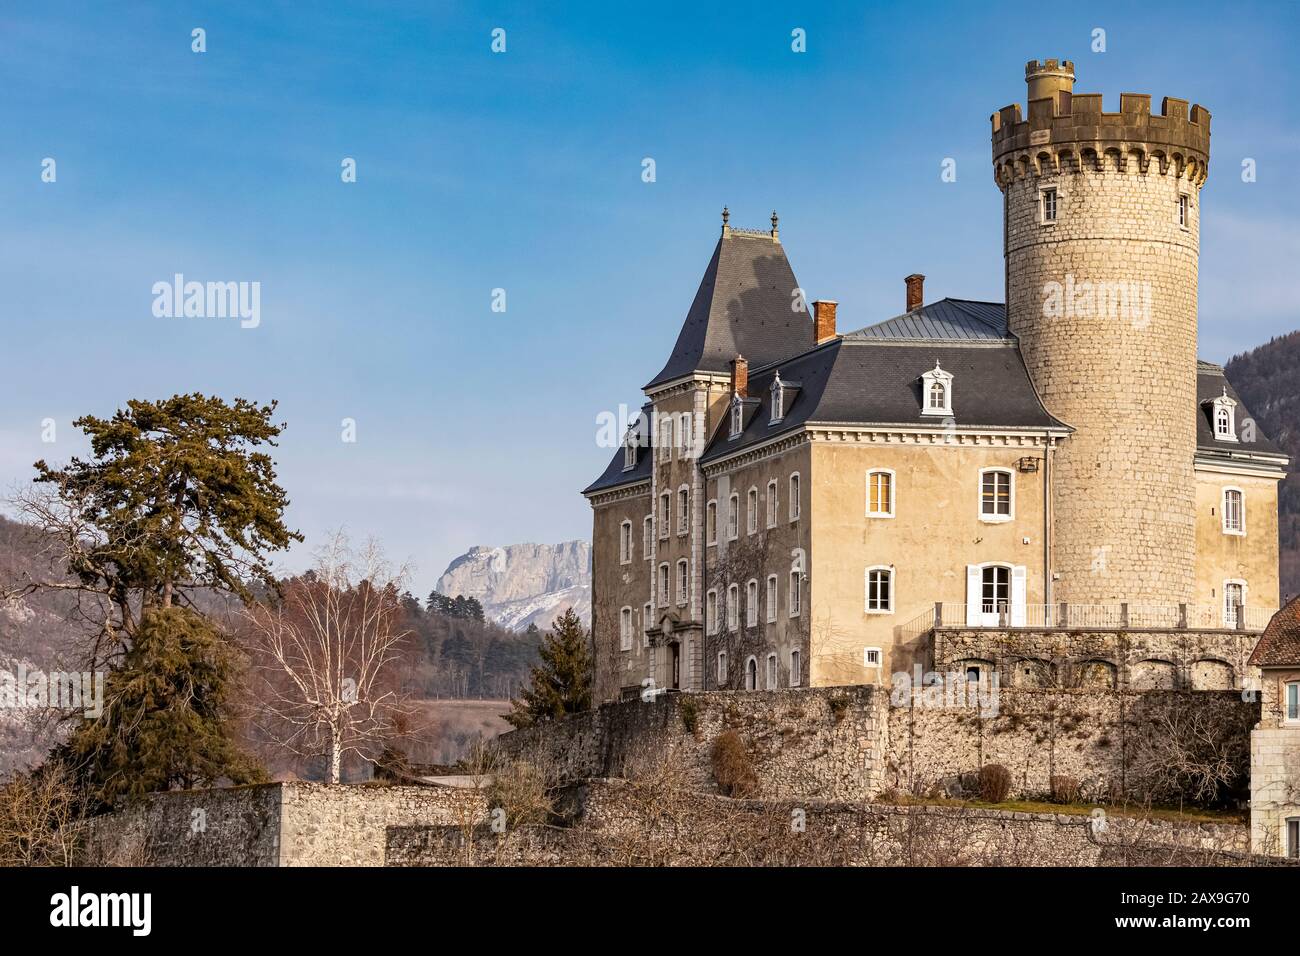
(523,584)
(1268,380)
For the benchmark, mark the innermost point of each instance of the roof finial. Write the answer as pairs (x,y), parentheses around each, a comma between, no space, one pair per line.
(774,232)
(726,215)
(1225,391)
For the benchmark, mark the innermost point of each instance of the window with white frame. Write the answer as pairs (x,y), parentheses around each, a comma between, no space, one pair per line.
(1225,417)
(733,606)
(880,493)
(793,598)
(711,522)
(664,439)
(871,656)
(625,629)
(646,621)
(751,511)
(751,603)
(778,399)
(711,612)
(625,542)
(1234,599)
(685,438)
(1184,210)
(665,506)
(751,674)
(663,584)
(771,598)
(936,392)
(996,491)
(1234,511)
(771,503)
(796,669)
(771,672)
(737,418)
(722,668)
(683,510)
(794,496)
(647,536)
(880,590)
(733,517)
(629,449)
(1048,200)
(1291,702)
(1293,838)
(683,581)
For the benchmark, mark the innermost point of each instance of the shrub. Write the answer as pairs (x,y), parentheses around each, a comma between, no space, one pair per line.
(690,711)
(994,783)
(1064,789)
(522,789)
(732,768)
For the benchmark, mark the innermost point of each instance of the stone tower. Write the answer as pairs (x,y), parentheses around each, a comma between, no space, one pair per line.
(1101,223)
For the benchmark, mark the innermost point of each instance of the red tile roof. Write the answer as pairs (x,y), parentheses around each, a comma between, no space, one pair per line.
(1279,646)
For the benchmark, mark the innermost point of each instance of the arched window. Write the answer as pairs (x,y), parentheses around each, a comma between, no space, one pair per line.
(1234,511)
(880,493)
(683,581)
(1225,417)
(793,600)
(997,494)
(796,669)
(751,604)
(771,503)
(880,590)
(751,520)
(751,674)
(625,542)
(663,585)
(647,536)
(683,510)
(722,668)
(625,629)
(771,597)
(794,496)
(733,518)
(737,418)
(771,672)
(711,612)
(938,395)
(778,399)
(733,606)
(936,392)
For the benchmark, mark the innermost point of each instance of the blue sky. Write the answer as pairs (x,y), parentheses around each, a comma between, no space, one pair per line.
(522,171)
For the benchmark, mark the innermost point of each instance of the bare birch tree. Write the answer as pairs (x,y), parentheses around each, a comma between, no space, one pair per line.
(326,653)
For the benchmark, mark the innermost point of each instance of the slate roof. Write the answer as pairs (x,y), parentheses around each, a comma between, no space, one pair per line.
(1210,383)
(947,319)
(1279,645)
(864,379)
(742,307)
(614,475)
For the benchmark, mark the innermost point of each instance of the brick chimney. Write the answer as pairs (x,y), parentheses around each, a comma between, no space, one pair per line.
(915,291)
(740,376)
(823,320)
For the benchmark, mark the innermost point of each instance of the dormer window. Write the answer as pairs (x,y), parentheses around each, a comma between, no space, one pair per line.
(778,399)
(1225,417)
(936,392)
(630,443)
(737,417)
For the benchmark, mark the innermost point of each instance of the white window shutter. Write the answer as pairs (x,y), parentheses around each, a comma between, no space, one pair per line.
(1018,596)
(973,595)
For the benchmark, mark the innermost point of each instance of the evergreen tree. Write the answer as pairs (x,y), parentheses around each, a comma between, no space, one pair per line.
(561,683)
(166,719)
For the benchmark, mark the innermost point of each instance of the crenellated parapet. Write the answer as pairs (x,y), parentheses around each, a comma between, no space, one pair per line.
(1067,131)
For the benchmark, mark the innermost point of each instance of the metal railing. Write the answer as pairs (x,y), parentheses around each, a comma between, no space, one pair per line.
(1101,616)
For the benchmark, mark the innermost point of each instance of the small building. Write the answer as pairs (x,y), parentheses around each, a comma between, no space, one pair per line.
(1275,742)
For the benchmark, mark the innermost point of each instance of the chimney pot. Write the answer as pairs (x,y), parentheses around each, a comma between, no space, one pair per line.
(740,376)
(823,320)
(915,291)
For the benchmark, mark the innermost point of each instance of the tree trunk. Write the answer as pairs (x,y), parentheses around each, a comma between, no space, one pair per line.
(336,756)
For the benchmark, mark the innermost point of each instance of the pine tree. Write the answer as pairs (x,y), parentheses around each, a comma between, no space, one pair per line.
(561,683)
(166,718)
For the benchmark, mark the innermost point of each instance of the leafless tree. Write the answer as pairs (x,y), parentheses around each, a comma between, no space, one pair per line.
(42,818)
(327,653)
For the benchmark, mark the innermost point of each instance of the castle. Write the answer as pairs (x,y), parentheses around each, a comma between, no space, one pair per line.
(1054,488)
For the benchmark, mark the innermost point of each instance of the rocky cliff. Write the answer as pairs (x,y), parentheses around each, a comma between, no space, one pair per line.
(522,584)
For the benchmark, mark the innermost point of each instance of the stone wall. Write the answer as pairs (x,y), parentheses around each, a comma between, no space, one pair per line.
(824,742)
(279,824)
(1274,786)
(619,824)
(1097,738)
(1136,659)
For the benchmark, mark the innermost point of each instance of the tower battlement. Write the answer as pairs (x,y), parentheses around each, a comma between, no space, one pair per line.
(1065,129)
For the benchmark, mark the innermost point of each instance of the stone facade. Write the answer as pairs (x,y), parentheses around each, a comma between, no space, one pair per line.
(1275,769)
(279,824)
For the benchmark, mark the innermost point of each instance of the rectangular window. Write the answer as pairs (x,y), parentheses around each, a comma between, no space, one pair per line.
(663,585)
(751,523)
(771,672)
(722,667)
(995,495)
(751,604)
(794,497)
(647,536)
(793,599)
(683,580)
(625,629)
(1234,512)
(733,517)
(1183,207)
(771,598)
(711,612)
(1293,838)
(646,622)
(880,597)
(733,606)
(625,542)
(683,511)
(1293,701)
(1234,596)
(1049,205)
(684,435)
(880,494)
(771,504)
(995,594)
(711,522)
(871,657)
(796,669)
(665,505)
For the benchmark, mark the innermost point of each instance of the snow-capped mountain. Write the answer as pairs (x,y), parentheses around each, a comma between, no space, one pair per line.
(522,584)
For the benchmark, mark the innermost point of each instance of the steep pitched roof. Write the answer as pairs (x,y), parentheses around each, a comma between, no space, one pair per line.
(742,307)
(1279,645)
(614,475)
(1210,384)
